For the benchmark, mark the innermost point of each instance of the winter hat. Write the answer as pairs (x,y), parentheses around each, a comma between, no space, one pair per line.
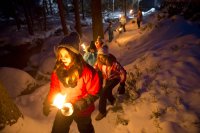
(103,50)
(71,42)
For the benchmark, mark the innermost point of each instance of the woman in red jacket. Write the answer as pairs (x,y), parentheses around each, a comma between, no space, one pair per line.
(80,82)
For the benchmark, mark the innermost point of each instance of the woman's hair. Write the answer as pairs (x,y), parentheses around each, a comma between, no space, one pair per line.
(92,46)
(69,76)
(106,59)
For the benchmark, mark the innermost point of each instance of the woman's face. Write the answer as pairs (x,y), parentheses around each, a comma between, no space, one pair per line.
(98,44)
(65,57)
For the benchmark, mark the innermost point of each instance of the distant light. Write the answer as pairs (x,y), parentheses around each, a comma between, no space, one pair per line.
(120,29)
(149,12)
(83,46)
(131,11)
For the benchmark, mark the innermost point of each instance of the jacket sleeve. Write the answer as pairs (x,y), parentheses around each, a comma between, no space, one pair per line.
(93,86)
(122,72)
(54,87)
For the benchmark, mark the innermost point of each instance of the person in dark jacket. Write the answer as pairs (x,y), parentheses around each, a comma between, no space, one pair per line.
(79,81)
(113,74)
(139,17)
(110,31)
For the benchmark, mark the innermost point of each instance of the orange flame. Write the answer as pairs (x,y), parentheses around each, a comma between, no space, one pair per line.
(59,102)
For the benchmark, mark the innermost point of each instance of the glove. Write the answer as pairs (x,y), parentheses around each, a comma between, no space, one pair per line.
(46,110)
(46,107)
(121,88)
(80,104)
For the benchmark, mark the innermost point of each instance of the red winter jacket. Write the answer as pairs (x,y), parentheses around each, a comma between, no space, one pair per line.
(87,84)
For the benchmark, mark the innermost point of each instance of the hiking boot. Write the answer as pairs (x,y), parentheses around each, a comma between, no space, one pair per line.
(100,116)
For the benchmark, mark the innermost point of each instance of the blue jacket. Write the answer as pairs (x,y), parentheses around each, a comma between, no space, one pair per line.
(90,58)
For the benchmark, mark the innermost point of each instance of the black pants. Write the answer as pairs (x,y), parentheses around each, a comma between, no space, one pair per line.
(138,23)
(123,26)
(62,123)
(106,93)
(110,37)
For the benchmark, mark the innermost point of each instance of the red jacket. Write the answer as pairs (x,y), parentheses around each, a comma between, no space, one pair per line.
(87,84)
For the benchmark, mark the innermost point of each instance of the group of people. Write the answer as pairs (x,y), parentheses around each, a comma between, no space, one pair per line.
(122,20)
(110,29)
(83,79)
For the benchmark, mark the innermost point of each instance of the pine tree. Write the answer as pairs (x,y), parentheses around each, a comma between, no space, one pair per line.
(8,110)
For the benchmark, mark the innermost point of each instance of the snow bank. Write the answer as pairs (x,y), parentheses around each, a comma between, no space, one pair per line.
(16,80)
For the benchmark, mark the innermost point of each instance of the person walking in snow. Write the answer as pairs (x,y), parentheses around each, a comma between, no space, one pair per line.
(113,74)
(73,77)
(122,21)
(90,56)
(139,17)
(110,31)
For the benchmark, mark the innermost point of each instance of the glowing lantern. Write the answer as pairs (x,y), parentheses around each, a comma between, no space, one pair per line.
(83,46)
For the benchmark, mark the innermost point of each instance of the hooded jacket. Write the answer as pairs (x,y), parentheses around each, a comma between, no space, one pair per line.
(87,88)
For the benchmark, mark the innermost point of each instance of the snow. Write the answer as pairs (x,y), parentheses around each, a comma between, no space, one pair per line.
(15,80)
(163,57)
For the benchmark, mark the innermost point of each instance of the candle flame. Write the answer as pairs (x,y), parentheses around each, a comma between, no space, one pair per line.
(83,46)
(59,101)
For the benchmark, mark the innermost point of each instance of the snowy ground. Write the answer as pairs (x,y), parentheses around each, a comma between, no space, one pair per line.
(162,60)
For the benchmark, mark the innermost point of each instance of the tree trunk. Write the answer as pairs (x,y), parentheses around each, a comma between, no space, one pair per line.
(82,5)
(44,14)
(30,12)
(97,25)
(45,6)
(77,17)
(125,3)
(8,110)
(62,16)
(28,18)
(13,7)
(17,20)
(50,6)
